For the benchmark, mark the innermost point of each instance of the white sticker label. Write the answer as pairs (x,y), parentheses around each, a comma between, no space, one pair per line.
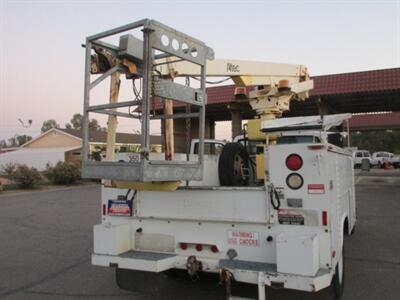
(243,238)
(134,158)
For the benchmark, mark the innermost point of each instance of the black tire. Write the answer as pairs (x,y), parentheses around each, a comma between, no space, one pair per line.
(233,163)
(339,278)
(125,279)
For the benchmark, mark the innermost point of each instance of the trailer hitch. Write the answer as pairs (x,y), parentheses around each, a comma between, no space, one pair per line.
(225,278)
(193,266)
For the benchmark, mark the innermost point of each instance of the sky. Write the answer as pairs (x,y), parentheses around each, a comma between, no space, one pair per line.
(42,61)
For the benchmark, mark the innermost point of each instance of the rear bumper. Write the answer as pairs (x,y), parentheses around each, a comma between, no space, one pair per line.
(243,271)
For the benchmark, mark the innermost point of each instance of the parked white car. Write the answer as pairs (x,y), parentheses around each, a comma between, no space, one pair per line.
(382,156)
(359,155)
(395,161)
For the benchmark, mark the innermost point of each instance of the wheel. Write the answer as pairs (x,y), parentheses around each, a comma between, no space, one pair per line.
(125,279)
(233,166)
(338,278)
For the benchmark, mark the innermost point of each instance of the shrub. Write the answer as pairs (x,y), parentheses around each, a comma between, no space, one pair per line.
(63,173)
(25,177)
(8,169)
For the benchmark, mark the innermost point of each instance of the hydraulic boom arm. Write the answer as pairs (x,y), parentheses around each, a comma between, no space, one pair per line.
(276,84)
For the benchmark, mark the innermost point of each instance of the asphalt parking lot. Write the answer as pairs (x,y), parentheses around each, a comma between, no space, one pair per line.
(46,241)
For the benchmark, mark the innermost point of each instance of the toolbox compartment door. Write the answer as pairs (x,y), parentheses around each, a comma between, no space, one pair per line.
(297,254)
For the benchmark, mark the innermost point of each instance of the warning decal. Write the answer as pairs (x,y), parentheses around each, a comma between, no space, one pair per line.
(243,238)
(290,217)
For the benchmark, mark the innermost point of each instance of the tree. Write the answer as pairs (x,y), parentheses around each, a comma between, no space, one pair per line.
(22,139)
(379,140)
(13,142)
(49,124)
(77,121)
(94,124)
(18,140)
(3,144)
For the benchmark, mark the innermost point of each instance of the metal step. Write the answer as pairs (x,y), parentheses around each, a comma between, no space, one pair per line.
(248,265)
(137,260)
(145,255)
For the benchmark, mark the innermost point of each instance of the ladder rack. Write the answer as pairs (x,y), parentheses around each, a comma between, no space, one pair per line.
(161,45)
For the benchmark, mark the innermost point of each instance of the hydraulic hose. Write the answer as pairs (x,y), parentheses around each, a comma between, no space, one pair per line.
(276,204)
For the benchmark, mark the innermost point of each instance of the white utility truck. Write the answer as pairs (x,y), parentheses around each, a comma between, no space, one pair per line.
(276,217)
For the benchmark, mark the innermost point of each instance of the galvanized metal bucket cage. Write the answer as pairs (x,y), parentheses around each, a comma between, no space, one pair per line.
(161,45)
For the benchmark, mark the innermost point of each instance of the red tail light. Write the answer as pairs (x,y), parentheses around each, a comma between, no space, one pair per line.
(198,247)
(294,162)
(324,218)
(214,249)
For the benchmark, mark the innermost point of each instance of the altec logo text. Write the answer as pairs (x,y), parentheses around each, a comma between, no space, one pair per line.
(232,68)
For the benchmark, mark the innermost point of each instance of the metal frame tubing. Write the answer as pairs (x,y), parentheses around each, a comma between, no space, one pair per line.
(152,34)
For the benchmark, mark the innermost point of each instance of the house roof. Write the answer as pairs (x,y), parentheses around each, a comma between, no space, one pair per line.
(43,134)
(97,136)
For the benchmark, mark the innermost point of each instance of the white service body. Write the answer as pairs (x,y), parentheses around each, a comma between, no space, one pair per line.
(296,246)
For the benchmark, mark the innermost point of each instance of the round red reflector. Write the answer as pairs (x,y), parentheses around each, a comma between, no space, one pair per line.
(214,248)
(183,246)
(199,247)
(294,162)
